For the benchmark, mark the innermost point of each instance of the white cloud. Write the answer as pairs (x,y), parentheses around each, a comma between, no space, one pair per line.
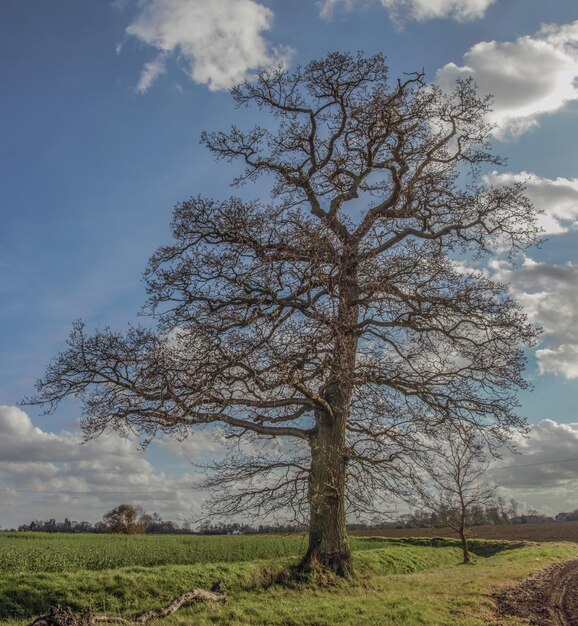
(55,475)
(527,77)
(549,295)
(561,360)
(150,72)
(543,475)
(13,421)
(327,7)
(420,10)
(555,199)
(461,10)
(220,40)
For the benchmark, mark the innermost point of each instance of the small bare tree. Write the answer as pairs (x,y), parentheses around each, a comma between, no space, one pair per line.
(332,319)
(454,481)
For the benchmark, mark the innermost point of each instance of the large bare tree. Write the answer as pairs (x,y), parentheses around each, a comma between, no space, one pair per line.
(335,316)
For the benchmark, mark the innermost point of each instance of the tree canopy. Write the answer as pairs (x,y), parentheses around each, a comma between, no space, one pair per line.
(126,519)
(338,316)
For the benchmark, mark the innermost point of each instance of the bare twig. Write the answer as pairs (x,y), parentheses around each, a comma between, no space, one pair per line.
(59,616)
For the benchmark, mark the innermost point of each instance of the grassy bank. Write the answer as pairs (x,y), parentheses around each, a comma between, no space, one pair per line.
(405,582)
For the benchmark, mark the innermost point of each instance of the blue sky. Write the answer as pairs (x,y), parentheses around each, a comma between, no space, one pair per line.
(102,107)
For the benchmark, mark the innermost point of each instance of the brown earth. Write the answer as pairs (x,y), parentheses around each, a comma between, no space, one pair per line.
(553,531)
(549,598)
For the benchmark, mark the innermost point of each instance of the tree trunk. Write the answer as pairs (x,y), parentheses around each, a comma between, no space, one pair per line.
(328,544)
(465,549)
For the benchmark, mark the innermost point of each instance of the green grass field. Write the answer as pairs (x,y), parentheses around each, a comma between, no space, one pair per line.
(401,582)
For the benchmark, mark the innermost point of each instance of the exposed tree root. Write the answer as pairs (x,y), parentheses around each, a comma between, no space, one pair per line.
(311,573)
(62,616)
(338,564)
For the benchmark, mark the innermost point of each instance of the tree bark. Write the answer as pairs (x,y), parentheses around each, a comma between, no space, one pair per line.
(465,549)
(328,544)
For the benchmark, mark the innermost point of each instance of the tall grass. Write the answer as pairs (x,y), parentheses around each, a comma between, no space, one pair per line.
(45,552)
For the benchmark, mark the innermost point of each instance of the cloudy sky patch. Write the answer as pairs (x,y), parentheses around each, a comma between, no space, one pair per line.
(61,476)
(543,475)
(556,200)
(549,295)
(220,42)
(420,10)
(530,76)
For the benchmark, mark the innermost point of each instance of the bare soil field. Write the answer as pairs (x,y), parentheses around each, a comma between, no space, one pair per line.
(549,598)
(554,531)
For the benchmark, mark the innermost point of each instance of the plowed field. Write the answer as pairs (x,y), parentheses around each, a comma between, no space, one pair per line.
(555,531)
(549,598)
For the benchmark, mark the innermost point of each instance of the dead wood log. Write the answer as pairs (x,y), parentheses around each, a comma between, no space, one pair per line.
(63,616)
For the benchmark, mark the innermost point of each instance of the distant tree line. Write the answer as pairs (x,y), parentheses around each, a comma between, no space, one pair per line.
(66,526)
(496,512)
(113,522)
(129,519)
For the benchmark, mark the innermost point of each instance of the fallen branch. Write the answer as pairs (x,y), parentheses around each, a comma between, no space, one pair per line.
(60,616)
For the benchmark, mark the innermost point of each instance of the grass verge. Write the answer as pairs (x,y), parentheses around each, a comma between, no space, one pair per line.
(399,582)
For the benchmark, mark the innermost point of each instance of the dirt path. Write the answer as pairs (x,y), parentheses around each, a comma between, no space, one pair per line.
(549,598)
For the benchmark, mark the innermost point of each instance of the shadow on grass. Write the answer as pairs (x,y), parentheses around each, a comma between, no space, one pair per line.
(25,602)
